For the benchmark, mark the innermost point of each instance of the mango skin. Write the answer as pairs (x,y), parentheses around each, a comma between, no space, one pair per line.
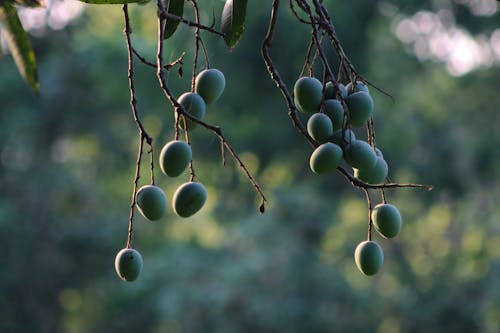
(325,158)
(331,91)
(128,264)
(320,127)
(210,84)
(375,175)
(369,257)
(308,94)
(343,141)
(360,155)
(359,86)
(195,105)
(387,220)
(189,198)
(360,107)
(151,202)
(175,157)
(333,109)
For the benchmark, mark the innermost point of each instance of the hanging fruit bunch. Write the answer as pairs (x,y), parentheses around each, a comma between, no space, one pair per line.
(333,110)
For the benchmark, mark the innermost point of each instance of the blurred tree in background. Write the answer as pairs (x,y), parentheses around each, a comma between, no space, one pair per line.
(66,169)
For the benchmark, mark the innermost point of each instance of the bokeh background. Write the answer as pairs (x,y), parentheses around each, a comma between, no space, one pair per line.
(67,161)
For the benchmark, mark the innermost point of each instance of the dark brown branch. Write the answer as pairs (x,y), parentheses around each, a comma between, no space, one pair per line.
(133,100)
(296,14)
(275,76)
(359,183)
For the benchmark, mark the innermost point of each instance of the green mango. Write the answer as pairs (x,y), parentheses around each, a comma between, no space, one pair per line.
(194,105)
(360,107)
(189,198)
(210,84)
(175,157)
(333,109)
(387,220)
(375,175)
(359,86)
(325,158)
(360,155)
(320,127)
(331,91)
(344,140)
(369,257)
(128,264)
(308,93)
(151,202)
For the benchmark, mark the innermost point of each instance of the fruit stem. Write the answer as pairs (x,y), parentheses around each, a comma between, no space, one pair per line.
(370,221)
(198,42)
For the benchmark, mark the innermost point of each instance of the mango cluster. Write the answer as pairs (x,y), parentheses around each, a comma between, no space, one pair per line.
(334,111)
(175,157)
(330,125)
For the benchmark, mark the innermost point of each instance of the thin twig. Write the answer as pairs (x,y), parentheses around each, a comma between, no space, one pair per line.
(198,43)
(275,76)
(134,192)
(370,221)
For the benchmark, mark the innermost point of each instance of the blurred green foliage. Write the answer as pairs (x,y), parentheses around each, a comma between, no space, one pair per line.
(67,162)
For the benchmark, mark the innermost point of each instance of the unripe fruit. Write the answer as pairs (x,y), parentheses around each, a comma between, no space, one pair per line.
(333,109)
(189,198)
(297,105)
(210,84)
(360,106)
(308,92)
(320,127)
(151,202)
(175,157)
(344,140)
(359,86)
(360,155)
(194,105)
(331,91)
(387,220)
(375,175)
(369,257)
(378,152)
(325,158)
(128,264)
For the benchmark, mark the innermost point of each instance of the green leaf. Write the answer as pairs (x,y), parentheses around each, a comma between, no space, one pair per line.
(30,3)
(233,21)
(175,7)
(19,44)
(113,2)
